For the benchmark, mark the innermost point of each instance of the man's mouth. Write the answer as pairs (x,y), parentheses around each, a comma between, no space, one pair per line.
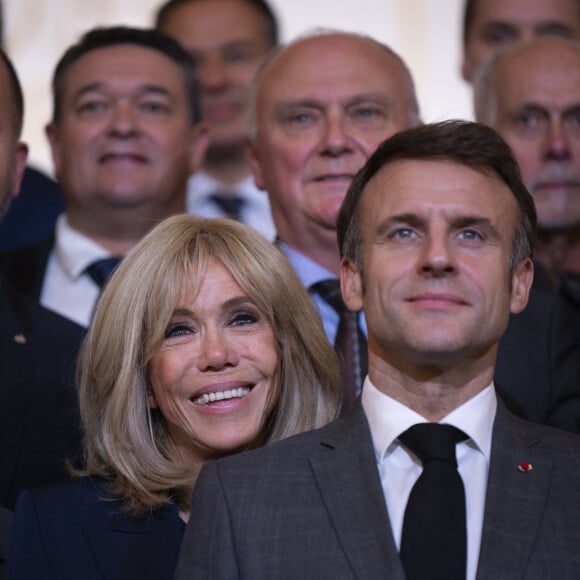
(114,157)
(339,177)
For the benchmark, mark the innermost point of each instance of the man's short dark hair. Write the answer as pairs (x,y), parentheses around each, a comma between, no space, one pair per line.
(15,91)
(266,12)
(98,38)
(468,13)
(471,144)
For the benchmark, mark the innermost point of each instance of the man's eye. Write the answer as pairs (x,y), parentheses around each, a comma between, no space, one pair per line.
(500,36)
(89,107)
(368,112)
(470,235)
(529,120)
(403,233)
(154,107)
(299,118)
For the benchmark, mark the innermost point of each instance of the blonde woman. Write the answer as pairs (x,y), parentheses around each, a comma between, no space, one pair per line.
(204,343)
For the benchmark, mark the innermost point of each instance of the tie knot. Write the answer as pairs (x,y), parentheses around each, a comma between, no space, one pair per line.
(230,204)
(329,291)
(433,441)
(101,270)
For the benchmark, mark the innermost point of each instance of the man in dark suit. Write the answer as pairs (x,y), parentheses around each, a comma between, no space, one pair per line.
(436,234)
(341,95)
(39,424)
(125,137)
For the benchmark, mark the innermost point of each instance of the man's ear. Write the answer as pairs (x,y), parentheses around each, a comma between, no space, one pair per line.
(20,158)
(522,278)
(199,143)
(466,68)
(255,165)
(351,285)
(53,136)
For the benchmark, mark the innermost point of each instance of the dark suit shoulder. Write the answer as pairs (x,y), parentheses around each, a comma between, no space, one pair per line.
(24,268)
(527,434)
(81,529)
(32,215)
(538,363)
(304,446)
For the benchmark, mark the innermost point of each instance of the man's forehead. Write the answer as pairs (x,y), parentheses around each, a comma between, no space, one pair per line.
(330,52)
(541,69)
(123,62)
(528,13)
(332,74)
(399,179)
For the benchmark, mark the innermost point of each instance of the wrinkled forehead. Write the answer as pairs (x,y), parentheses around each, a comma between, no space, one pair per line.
(323,65)
(542,69)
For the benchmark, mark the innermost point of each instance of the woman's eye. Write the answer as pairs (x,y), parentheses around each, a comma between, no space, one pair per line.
(242,318)
(177,330)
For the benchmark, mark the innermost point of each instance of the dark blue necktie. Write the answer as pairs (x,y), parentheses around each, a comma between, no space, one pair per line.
(100,270)
(434,539)
(230,204)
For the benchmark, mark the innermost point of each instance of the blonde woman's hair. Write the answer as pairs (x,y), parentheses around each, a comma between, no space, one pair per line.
(128,442)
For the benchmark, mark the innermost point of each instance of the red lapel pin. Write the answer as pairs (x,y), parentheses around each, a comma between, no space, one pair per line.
(525,467)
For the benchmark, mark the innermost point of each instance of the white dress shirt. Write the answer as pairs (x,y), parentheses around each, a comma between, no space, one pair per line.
(256,209)
(67,289)
(399,469)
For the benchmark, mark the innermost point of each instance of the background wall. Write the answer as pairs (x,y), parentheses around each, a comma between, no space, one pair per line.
(426,33)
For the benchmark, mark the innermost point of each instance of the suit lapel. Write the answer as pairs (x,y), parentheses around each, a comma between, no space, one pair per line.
(349,482)
(515,499)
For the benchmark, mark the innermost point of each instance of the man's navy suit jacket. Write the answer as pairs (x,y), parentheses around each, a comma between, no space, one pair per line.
(312,507)
(32,215)
(78,530)
(39,417)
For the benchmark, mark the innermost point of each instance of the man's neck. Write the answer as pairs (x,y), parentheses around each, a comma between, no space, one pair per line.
(558,251)
(228,166)
(117,230)
(432,391)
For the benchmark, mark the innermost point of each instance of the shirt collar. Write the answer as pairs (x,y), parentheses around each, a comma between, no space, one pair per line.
(308,270)
(475,418)
(74,250)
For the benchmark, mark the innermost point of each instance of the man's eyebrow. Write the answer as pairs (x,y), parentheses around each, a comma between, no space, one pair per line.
(307,103)
(467,221)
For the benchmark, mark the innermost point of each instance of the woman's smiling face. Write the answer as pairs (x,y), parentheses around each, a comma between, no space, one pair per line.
(215,377)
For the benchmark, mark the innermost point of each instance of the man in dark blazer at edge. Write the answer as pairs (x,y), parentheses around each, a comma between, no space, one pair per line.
(343,118)
(436,235)
(39,424)
(5,525)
